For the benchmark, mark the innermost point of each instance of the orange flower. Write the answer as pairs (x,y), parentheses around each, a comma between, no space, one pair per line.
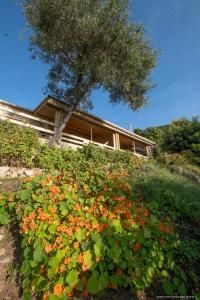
(55,189)
(146,212)
(45,296)
(61,197)
(44,182)
(59,239)
(85,188)
(32,215)
(105,189)
(62,268)
(76,245)
(84,267)
(136,247)
(77,207)
(11,198)
(80,258)
(53,210)
(164,229)
(48,248)
(57,289)
(67,260)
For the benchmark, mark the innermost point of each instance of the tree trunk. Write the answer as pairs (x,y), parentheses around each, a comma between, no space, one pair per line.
(58,133)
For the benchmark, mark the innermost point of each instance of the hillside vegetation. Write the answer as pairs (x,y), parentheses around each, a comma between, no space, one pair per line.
(99,221)
(180,136)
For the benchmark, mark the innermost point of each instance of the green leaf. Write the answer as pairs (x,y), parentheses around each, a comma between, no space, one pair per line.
(51,273)
(4,219)
(117,225)
(51,297)
(164,273)
(38,254)
(64,208)
(147,233)
(150,272)
(24,195)
(103,280)
(168,288)
(80,235)
(53,228)
(60,255)
(80,286)
(93,283)
(115,280)
(88,259)
(115,251)
(26,268)
(26,294)
(27,251)
(72,278)
(182,289)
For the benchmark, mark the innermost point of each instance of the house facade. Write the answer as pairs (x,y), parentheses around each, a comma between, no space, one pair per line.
(83,128)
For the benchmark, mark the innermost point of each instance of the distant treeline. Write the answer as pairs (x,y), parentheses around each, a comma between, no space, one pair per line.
(178,136)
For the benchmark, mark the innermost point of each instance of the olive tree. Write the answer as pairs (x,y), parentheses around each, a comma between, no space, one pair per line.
(90,44)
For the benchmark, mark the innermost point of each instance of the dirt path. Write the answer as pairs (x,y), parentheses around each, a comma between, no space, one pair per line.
(8,247)
(8,286)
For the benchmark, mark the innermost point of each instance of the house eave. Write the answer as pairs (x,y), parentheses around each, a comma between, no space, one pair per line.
(92,118)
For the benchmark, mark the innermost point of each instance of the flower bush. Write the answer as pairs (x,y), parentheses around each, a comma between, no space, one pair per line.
(84,232)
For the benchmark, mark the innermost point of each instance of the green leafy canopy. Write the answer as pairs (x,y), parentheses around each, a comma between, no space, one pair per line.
(91,44)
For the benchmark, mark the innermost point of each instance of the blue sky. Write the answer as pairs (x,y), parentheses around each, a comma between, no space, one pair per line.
(171,25)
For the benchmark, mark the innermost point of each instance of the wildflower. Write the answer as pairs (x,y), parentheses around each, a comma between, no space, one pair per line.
(85,188)
(164,229)
(57,289)
(80,258)
(53,210)
(138,210)
(11,198)
(105,189)
(54,189)
(136,247)
(62,268)
(61,197)
(76,245)
(67,260)
(32,215)
(59,239)
(84,267)
(146,212)
(44,182)
(45,296)
(77,207)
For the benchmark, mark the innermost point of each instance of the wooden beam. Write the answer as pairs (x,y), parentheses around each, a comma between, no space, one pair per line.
(91,133)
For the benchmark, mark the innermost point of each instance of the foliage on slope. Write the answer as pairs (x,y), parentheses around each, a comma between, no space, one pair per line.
(103,208)
(85,232)
(180,135)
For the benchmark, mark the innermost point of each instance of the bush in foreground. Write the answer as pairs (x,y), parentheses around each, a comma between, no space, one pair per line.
(84,232)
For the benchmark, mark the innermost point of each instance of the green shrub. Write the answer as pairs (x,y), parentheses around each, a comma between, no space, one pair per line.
(59,159)
(18,145)
(95,154)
